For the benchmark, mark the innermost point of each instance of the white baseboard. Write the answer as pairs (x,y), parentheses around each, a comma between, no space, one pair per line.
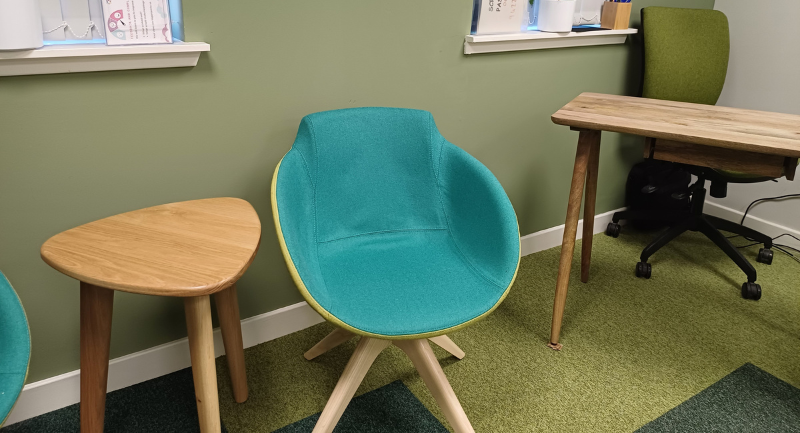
(767,227)
(552,237)
(63,390)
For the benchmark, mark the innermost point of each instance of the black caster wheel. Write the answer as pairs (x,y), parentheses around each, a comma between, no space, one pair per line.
(751,291)
(764,256)
(643,270)
(613,230)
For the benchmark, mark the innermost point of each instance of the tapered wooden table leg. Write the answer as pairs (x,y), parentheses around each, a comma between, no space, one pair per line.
(367,350)
(227,303)
(201,346)
(431,372)
(96,309)
(586,141)
(589,208)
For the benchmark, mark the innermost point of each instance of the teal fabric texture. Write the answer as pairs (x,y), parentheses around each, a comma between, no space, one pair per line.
(393,230)
(15,347)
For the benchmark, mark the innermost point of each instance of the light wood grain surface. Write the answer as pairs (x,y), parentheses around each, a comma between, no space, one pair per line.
(366,351)
(423,358)
(204,371)
(732,128)
(183,249)
(227,303)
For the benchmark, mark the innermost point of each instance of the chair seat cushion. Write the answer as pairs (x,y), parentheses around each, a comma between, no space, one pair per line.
(15,348)
(404,283)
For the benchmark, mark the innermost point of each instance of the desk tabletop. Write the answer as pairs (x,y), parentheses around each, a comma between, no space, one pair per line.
(732,128)
(190,248)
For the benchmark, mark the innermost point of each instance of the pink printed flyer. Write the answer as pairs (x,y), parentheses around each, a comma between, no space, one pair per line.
(136,22)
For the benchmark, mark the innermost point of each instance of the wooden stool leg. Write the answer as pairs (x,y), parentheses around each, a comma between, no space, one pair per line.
(447,344)
(586,140)
(96,308)
(228,311)
(201,346)
(367,350)
(428,366)
(589,210)
(335,338)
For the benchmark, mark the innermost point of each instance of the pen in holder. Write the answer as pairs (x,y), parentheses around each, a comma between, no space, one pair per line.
(615,15)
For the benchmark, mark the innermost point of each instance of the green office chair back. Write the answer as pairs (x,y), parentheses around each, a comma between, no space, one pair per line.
(686,54)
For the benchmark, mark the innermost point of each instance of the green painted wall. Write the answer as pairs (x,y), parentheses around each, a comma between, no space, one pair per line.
(79,147)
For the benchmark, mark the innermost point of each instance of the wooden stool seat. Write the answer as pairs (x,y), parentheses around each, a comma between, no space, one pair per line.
(191,249)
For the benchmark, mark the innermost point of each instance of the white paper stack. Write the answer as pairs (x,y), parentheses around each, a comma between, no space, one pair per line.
(502,16)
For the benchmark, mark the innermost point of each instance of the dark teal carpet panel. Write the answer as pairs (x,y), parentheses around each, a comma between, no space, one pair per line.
(747,400)
(165,405)
(390,409)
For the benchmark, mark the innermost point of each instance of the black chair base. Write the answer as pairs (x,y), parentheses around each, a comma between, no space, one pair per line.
(695,220)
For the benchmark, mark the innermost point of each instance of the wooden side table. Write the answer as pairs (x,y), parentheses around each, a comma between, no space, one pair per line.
(191,249)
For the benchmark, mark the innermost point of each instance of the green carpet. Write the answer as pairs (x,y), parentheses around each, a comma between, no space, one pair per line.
(749,400)
(633,351)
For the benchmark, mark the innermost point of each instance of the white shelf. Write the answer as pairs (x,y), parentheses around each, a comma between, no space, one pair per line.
(59,59)
(535,40)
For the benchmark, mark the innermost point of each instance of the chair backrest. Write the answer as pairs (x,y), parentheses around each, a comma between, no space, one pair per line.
(15,347)
(372,170)
(686,54)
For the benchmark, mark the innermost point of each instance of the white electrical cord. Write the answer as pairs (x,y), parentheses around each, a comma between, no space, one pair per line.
(67,27)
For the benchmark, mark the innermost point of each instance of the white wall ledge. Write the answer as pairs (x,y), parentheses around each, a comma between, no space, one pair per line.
(536,40)
(64,58)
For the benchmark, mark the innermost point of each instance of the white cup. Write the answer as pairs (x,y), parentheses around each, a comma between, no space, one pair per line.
(20,25)
(555,15)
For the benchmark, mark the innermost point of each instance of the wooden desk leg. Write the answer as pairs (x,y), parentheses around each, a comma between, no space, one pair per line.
(96,308)
(201,346)
(589,208)
(586,141)
(228,311)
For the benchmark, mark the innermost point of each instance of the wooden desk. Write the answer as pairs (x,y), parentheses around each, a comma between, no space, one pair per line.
(755,142)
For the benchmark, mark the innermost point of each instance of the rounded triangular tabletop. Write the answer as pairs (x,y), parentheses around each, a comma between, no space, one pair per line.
(189,248)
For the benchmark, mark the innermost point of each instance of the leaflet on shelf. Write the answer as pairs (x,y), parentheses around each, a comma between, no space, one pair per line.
(136,22)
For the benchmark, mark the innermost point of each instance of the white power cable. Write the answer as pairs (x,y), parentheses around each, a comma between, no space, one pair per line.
(66,26)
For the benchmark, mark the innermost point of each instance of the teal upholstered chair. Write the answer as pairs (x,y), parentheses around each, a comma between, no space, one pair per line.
(686,59)
(393,234)
(15,348)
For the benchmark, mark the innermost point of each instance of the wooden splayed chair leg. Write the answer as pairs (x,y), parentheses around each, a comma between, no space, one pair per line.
(340,336)
(368,349)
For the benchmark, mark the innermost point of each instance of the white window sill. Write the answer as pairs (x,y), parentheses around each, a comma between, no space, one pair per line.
(90,57)
(536,40)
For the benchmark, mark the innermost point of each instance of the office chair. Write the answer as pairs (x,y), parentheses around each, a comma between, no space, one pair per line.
(15,348)
(393,234)
(686,55)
